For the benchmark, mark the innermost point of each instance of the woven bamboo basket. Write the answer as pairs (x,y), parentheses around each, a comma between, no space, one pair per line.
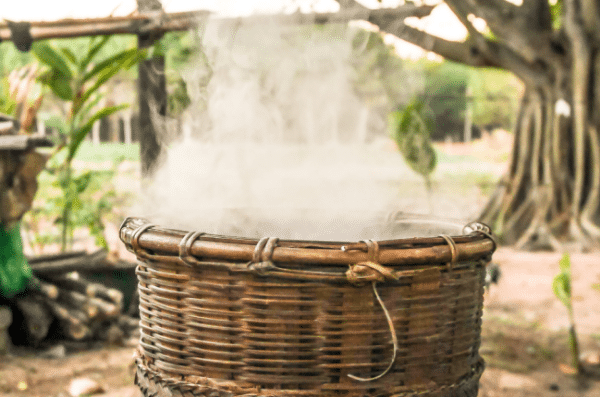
(224,316)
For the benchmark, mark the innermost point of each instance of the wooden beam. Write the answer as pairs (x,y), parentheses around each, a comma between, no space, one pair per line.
(133,24)
(160,22)
(23,142)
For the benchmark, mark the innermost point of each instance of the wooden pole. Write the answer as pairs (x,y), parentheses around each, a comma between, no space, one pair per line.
(167,22)
(133,24)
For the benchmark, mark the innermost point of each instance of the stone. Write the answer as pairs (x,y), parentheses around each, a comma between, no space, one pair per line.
(84,387)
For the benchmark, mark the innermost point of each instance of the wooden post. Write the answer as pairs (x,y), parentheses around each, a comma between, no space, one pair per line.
(127,129)
(468,115)
(152,91)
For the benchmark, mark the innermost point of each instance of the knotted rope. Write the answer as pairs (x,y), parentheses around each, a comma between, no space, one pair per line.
(374,272)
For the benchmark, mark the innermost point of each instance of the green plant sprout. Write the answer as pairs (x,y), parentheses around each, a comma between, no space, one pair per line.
(562,289)
(77,80)
(410,128)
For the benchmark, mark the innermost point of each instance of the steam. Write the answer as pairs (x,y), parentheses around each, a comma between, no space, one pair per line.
(279,144)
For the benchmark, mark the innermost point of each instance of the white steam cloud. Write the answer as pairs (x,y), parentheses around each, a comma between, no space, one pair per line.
(285,147)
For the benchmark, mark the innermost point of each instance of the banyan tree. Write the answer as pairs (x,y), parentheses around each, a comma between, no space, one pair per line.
(551,192)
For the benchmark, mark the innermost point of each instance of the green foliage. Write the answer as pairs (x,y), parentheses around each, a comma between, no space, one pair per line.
(562,290)
(76,77)
(410,129)
(445,88)
(7,104)
(14,270)
(90,195)
(495,97)
(179,50)
(556,11)
(562,283)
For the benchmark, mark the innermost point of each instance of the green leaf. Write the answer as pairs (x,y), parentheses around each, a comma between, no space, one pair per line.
(60,85)
(114,61)
(49,56)
(82,182)
(130,57)
(69,55)
(56,122)
(562,289)
(565,263)
(94,49)
(596,286)
(81,133)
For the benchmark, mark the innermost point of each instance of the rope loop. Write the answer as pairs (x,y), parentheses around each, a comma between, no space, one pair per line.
(262,262)
(135,237)
(185,246)
(390,322)
(453,251)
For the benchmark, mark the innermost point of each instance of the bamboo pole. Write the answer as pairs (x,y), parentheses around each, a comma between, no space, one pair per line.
(181,21)
(132,24)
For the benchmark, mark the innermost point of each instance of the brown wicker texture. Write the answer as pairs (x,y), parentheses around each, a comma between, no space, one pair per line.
(224,316)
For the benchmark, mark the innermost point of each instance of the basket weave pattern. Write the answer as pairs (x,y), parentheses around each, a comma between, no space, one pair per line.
(224,317)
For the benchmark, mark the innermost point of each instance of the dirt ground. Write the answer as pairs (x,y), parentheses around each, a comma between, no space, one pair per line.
(524,339)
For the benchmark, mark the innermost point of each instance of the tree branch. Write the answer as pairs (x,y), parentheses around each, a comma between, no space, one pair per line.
(462,10)
(462,52)
(526,30)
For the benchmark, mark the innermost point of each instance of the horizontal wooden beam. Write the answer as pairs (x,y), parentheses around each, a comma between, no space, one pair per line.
(23,142)
(133,24)
(166,22)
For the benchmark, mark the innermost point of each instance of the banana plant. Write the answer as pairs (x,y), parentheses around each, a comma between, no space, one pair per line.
(410,128)
(77,80)
(562,290)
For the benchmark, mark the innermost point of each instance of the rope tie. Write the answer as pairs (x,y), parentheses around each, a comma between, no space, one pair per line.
(374,272)
(262,261)
(185,246)
(135,237)
(369,271)
(453,251)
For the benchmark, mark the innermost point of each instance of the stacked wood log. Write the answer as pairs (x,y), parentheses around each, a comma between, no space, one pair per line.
(61,300)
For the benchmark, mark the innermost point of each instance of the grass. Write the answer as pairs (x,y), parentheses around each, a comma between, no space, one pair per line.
(108,152)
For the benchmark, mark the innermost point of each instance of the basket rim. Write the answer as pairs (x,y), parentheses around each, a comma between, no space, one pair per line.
(138,234)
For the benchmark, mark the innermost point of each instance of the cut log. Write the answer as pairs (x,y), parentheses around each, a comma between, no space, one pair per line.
(83,310)
(55,257)
(79,301)
(106,309)
(48,290)
(70,264)
(36,318)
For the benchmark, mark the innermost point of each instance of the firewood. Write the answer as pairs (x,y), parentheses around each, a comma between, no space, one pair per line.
(106,309)
(55,257)
(79,301)
(70,264)
(36,318)
(44,288)
(88,288)
(110,294)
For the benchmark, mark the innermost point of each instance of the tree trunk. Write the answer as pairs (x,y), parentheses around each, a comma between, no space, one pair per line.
(551,191)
